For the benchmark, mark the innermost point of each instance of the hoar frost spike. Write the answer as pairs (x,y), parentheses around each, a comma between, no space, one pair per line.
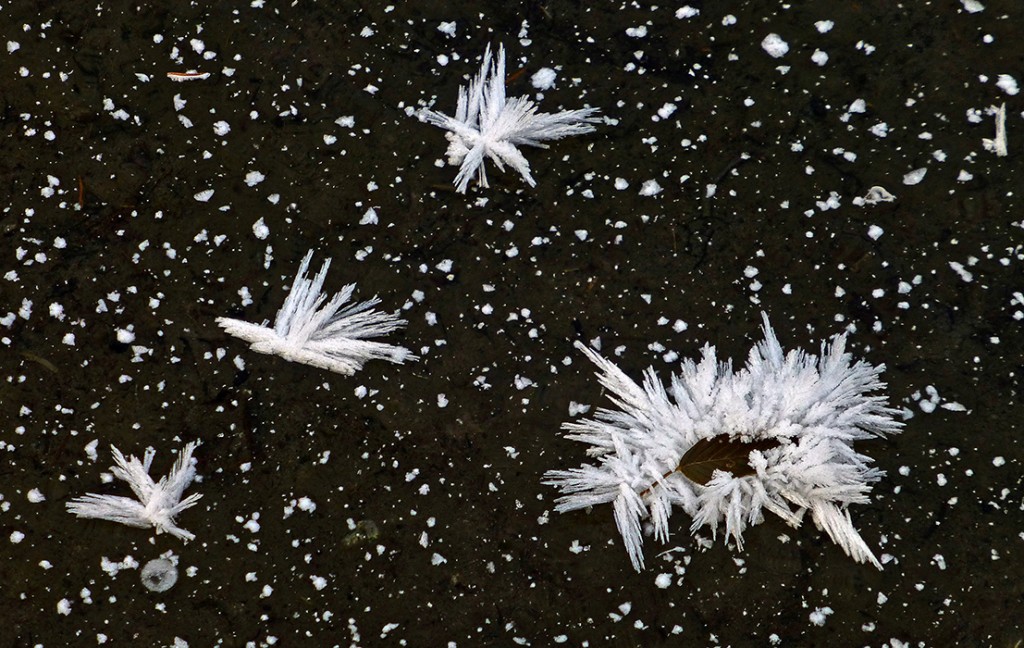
(323,335)
(158,502)
(487,124)
(776,435)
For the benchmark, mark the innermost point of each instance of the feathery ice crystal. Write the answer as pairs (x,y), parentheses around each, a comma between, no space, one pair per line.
(157,503)
(802,412)
(488,124)
(325,336)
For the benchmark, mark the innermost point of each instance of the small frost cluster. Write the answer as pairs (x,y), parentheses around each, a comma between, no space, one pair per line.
(158,502)
(806,410)
(323,335)
(486,124)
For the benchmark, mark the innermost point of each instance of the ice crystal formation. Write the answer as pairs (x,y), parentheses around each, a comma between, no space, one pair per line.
(158,502)
(323,335)
(487,124)
(794,416)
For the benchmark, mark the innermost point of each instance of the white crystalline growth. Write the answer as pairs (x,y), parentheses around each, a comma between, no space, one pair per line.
(488,125)
(323,335)
(158,502)
(809,409)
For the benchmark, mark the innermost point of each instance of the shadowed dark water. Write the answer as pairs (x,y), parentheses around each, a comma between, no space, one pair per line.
(431,527)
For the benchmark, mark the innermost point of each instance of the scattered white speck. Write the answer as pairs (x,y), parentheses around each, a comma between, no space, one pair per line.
(819,615)
(17,536)
(1008,84)
(774,45)
(972,6)
(447,28)
(686,11)
(875,232)
(64,607)
(260,229)
(663,580)
(637,32)
(442,401)
(649,188)
(13,46)
(543,79)
(253,178)
(204,195)
(915,176)
(124,336)
(437,559)
(221,128)
(369,218)
(824,26)
(819,57)
(35,496)
(959,268)
(998,462)
(621,183)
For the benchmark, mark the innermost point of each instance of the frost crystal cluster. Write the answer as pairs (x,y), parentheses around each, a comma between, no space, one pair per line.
(791,417)
(486,124)
(323,335)
(158,502)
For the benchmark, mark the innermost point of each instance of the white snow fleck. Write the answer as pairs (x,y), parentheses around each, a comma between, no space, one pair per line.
(636,32)
(621,183)
(663,580)
(447,28)
(824,26)
(972,6)
(221,128)
(998,462)
(819,57)
(686,11)
(260,229)
(1008,84)
(650,188)
(35,496)
(369,218)
(959,268)
(914,177)
(204,195)
(774,45)
(875,232)
(64,607)
(442,401)
(125,336)
(17,537)
(543,79)
(253,178)
(819,615)
(13,46)
(437,559)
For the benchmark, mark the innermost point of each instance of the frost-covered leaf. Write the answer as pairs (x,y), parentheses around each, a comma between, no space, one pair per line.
(721,453)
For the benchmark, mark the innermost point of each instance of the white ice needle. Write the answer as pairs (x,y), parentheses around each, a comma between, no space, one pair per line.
(323,335)
(158,502)
(486,124)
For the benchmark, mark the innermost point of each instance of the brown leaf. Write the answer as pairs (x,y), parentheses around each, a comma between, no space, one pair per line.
(721,453)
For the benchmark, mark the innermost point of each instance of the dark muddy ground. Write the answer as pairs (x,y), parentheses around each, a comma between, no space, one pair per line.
(101,232)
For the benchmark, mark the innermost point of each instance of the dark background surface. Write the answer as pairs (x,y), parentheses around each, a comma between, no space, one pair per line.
(467,475)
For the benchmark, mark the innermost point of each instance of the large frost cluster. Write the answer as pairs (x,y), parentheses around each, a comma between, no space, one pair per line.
(802,411)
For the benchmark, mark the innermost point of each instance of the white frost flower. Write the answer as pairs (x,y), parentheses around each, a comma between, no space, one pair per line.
(158,502)
(323,335)
(488,124)
(724,445)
